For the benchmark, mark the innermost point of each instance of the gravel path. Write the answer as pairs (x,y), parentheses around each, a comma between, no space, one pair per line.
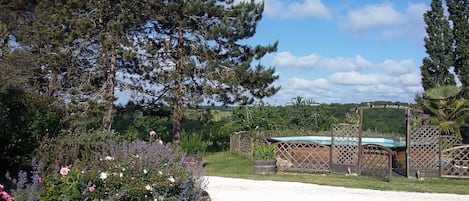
(230,189)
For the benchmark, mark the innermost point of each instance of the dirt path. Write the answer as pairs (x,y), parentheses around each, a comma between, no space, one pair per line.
(229,189)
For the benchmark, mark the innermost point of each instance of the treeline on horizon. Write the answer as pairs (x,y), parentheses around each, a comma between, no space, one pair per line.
(298,117)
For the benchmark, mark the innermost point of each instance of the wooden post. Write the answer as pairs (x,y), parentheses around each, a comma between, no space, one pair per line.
(407,144)
(331,148)
(390,163)
(231,143)
(252,149)
(360,148)
(239,144)
(440,166)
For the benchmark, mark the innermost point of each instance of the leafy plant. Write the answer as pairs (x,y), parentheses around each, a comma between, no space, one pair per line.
(122,171)
(447,108)
(193,144)
(264,152)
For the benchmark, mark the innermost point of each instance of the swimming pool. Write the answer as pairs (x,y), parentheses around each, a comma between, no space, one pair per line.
(326,140)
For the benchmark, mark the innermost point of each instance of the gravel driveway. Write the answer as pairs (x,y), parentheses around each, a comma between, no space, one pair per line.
(230,189)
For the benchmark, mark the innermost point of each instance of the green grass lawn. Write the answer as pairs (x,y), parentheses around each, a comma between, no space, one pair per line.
(227,165)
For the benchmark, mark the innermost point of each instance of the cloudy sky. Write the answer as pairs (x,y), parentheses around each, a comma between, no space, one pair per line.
(345,51)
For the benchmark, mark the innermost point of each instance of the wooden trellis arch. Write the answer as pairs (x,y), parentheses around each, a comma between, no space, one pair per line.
(408,110)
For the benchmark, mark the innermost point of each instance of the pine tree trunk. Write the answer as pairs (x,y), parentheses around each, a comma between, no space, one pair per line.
(52,84)
(178,91)
(108,115)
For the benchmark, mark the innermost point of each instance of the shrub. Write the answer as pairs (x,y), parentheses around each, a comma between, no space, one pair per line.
(192,144)
(71,146)
(25,119)
(122,171)
(264,152)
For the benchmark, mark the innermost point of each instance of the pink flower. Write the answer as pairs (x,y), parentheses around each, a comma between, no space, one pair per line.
(1,188)
(152,133)
(4,195)
(64,171)
(92,188)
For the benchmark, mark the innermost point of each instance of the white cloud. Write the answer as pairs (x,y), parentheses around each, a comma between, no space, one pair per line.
(390,22)
(411,79)
(297,10)
(397,67)
(371,16)
(316,89)
(380,89)
(306,85)
(287,60)
(354,78)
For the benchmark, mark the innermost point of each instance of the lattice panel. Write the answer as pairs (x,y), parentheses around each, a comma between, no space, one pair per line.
(449,141)
(345,144)
(455,162)
(376,161)
(302,157)
(424,142)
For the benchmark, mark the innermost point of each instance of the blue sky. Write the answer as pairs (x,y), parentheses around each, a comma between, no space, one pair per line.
(344,51)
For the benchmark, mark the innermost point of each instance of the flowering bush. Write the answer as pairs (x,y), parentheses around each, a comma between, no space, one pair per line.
(121,171)
(4,195)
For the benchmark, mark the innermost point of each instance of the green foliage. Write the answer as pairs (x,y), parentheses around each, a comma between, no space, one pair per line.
(193,144)
(435,69)
(69,147)
(263,117)
(390,121)
(120,171)
(142,125)
(447,108)
(264,152)
(25,118)
(459,14)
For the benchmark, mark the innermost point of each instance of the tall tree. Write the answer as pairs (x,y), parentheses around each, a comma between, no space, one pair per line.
(436,66)
(459,15)
(196,55)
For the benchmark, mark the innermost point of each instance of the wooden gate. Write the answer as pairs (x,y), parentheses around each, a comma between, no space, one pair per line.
(423,151)
(376,161)
(345,148)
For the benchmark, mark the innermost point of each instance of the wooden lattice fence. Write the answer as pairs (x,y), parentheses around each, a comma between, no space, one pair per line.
(243,143)
(376,161)
(309,157)
(345,148)
(424,151)
(455,162)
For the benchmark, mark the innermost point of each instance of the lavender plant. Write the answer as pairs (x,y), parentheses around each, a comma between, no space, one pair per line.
(121,171)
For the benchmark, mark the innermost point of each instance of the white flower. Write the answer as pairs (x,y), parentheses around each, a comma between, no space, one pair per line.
(108,158)
(121,174)
(103,175)
(145,171)
(160,173)
(148,187)
(171,179)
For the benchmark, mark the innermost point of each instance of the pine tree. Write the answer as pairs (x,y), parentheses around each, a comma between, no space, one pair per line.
(195,55)
(458,14)
(436,66)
